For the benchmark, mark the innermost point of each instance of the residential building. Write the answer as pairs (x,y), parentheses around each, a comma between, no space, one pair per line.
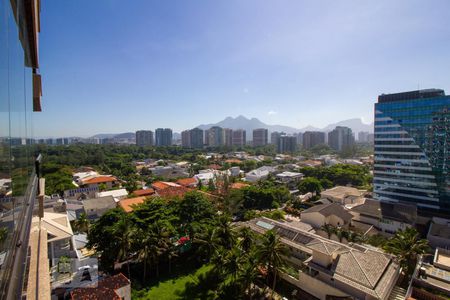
(117,194)
(430,279)
(96,207)
(439,233)
(23,254)
(188,182)
(144,192)
(388,217)
(260,137)
(228,137)
(333,214)
(163,137)
(215,136)
(343,195)
(259,174)
(108,180)
(341,138)
(289,177)
(129,204)
(365,137)
(239,138)
(196,137)
(412,142)
(325,269)
(186,139)
(300,139)
(286,144)
(144,138)
(275,136)
(313,138)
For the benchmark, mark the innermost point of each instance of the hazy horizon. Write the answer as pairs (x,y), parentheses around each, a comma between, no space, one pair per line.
(108,66)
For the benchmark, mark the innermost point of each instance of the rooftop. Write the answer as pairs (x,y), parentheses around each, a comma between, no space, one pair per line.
(330,209)
(187,181)
(128,204)
(106,289)
(144,192)
(99,203)
(100,179)
(341,192)
(411,95)
(402,212)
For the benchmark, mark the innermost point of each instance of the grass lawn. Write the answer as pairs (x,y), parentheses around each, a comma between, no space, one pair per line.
(171,288)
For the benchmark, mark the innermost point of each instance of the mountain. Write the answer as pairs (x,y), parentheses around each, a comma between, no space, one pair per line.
(355,124)
(242,122)
(125,135)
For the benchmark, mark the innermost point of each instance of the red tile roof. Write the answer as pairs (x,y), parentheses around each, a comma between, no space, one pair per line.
(144,192)
(214,167)
(160,185)
(233,161)
(106,289)
(100,179)
(187,181)
(238,185)
(173,191)
(128,204)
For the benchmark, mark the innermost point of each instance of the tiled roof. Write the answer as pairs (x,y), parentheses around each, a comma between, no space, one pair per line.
(100,179)
(160,185)
(325,247)
(173,191)
(402,212)
(128,204)
(99,203)
(106,289)
(187,181)
(238,185)
(144,192)
(330,209)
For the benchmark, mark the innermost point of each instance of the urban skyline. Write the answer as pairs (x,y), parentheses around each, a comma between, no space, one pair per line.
(255,59)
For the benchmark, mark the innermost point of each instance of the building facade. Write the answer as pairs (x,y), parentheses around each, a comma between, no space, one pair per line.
(287,144)
(313,138)
(412,143)
(215,136)
(196,136)
(260,137)
(144,138)
(341,138)
(20,97)
(239,138)
(186,139)
(163,137)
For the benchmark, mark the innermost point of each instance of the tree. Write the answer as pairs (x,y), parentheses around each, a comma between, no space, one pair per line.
(82,223)
(248,274)
(407,246)
(329,229)
(123,232)
(310,185)
(3,235)
(270,254)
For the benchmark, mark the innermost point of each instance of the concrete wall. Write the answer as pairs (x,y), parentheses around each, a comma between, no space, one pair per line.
(314,219)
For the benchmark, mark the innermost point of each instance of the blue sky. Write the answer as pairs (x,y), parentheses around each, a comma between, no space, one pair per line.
(117,66)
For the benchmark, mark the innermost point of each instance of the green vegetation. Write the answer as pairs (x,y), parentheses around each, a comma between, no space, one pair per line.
(341,174)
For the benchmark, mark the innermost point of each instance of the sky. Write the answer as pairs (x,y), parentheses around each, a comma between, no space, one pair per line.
(112,66)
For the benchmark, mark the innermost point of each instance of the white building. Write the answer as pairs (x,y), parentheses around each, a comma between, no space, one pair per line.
(259,174)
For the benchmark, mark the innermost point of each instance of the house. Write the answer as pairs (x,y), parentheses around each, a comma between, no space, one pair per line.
(117,194)
(289,177)
(173,191)
(235,171)
(439,233)
(431,279)
(144,192)
(108,180)
(96,207)
(160,185)
(259,174)
(385,216)
(80,176)
(117,287)
(322,214)
(172,171)
(326,269)
(188,182)
(204,176)
(343,195)
(129,204)
(238,185)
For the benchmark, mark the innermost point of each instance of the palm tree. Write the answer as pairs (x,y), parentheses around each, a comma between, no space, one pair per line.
(143,241)
(270,254)
(124,233)
(246,237)
(329,229)
(407,246)
(340,233)
(82,223)
(248,274)
(224,232)
(207,242)
(353,237)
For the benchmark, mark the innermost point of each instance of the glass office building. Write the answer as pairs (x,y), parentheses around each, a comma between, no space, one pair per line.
(412,150)
(19,97)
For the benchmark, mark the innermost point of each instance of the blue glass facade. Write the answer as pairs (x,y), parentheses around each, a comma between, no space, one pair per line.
(18,181)
(412,150)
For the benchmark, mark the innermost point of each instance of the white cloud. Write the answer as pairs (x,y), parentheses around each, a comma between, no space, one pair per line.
(272,112)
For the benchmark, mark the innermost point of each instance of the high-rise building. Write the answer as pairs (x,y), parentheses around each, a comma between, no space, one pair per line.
(215,136)
(300,139)
(144,138)
(163,137)
(186,138)
(313,138)
(287,144)
(341,138)
(275,136)
(192,138)
(260,137)
(239,138)
(412,144)
(24,271)
(228,137)
(196,136)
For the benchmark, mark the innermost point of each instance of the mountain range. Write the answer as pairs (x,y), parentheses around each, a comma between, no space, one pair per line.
(247,124)
(242,122)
